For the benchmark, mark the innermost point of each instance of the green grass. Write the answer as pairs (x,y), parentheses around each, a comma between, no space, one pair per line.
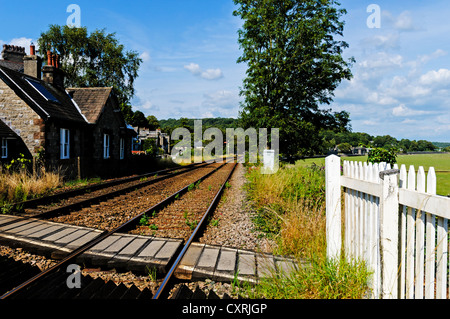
(290,208)
(322,279)
(440,162)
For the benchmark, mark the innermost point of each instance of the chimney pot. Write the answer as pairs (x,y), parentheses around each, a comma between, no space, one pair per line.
(13,53)
(32,49)
(49,57)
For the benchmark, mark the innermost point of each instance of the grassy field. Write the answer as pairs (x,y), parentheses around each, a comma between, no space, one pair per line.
(440,162)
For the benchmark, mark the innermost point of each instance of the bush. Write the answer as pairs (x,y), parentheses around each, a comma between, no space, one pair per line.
(379,155)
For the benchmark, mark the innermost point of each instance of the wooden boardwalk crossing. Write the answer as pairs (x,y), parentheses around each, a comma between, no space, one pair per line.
(139,253)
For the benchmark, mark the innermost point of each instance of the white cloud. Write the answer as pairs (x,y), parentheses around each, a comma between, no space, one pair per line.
(383,60)
(147,106)
(428,57)
(405,22)
(207,114)
(440,77)
(212,74)
(221,98)
(145,56)
(384,42)
(209,74)
(409,121)
(165,69)
(193,68)
(404,111)
(23,42)
(370,123)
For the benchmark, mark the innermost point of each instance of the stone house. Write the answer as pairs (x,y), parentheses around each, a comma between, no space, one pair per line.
(42,115)
(361,151)
(65,126)
(161,140)
(110,141)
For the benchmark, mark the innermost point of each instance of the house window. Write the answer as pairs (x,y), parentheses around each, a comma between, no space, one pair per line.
(65,143)
(4,148)
(122,148)
(106,146)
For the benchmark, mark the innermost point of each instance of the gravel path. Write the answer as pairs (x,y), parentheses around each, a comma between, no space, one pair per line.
(235,228)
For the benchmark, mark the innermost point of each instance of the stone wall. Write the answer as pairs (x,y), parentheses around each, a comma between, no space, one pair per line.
(108,123)
(53,140)
(22,119)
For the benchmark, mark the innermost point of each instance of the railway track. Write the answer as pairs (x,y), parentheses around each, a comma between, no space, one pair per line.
(52,283)
(63,202)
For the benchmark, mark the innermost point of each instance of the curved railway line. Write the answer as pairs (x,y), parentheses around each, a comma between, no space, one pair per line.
(174,204)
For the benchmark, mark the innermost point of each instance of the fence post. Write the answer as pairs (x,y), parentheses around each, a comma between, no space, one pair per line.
(79,168)
(333,206)
(389,219)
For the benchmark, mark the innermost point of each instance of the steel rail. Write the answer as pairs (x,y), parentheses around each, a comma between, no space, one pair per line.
(90,201)
(161,290)
(82,190)
(124,227)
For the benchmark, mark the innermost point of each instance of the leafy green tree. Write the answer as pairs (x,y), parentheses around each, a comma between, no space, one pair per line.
(127,112)
(153,123)
(345,148)
(139,120)
(425,146)
(92,60)
(294,65)
(385,141)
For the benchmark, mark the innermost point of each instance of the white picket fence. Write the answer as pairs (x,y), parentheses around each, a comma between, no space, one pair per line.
(395,222)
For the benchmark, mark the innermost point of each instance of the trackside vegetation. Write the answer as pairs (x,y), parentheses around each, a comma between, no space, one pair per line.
(290,208)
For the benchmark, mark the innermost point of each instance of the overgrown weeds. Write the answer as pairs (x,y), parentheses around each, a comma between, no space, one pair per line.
(322,279)
(290,208)
(19,185)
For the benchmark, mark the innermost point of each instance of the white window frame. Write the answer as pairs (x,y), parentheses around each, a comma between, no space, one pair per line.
(65,143)
(122,148)
(4,148)
(106,146)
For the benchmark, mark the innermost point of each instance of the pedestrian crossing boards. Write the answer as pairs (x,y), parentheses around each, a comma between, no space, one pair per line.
(140,253)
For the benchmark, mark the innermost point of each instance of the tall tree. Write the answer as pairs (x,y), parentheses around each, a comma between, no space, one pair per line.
(294,64)
(153,123)
(139,120)
(92,60)
(127,111)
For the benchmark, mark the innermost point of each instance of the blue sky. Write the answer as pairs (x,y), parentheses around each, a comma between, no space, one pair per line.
(401,83)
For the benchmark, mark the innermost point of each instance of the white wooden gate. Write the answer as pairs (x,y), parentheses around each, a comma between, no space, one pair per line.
(393,221)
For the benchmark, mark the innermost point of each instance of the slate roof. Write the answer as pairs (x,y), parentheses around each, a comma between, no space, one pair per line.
(91,101)
(63,109)
(16,66)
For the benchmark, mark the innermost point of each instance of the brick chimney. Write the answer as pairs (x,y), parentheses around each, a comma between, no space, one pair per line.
(51,72)
(13,53)
(32,64)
